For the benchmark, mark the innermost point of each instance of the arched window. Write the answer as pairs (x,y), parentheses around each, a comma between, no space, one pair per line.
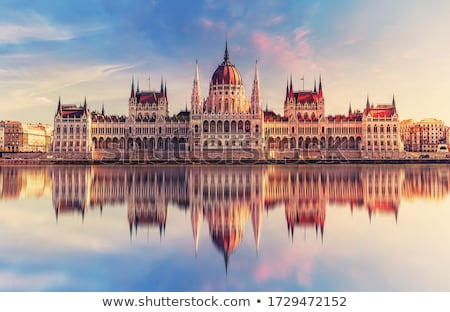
(247,126)
(240,126)
(226,126)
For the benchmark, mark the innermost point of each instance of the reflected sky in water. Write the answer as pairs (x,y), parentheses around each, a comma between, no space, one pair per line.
(225,228)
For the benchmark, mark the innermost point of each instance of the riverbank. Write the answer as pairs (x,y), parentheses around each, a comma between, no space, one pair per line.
(89,162)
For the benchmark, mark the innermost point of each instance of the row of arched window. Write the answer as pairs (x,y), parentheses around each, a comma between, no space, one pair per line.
(71,130)
(226,126)
(381,129)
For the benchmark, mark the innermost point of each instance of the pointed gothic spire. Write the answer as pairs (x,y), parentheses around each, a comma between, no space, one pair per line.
(226,57)
(195,97)
(132,87)
(393,100)
(162,86)
(137,88)
(103,109)
(256,99)
(59,104)
(367,102)
(349,108)
(315,89)
(85,106)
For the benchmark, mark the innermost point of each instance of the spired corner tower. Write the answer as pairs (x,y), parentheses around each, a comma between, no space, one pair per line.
(226,125)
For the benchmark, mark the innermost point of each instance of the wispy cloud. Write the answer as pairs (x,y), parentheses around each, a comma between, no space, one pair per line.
(33,27)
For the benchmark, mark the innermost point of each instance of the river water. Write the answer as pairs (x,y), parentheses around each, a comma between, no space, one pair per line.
(225,228)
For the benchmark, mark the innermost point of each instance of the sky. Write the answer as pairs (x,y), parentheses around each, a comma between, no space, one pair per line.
(93,48)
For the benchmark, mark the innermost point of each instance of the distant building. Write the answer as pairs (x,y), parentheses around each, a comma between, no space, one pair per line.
(13,136)
(424,135)
(447,135)
(2,135)
(36,138)
(18,137)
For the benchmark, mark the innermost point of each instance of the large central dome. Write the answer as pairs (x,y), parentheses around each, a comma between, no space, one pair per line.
(226,73)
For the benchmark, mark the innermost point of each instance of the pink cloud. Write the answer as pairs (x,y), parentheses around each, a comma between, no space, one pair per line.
(284,50)
(206,23)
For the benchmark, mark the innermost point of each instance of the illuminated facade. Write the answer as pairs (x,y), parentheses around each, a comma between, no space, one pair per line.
(228,125)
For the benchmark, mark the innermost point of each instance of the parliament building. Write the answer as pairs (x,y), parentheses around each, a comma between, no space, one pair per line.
(227,125)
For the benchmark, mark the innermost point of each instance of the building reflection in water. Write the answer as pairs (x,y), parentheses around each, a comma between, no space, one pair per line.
(227,198)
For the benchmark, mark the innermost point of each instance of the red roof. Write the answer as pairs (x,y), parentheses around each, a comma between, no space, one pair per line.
(226,73)
(306,97)
(72,111)
(149,97)
(381,111)
(271,116)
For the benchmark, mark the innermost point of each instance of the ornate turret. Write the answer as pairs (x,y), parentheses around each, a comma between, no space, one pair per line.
(256,99)
(196,98)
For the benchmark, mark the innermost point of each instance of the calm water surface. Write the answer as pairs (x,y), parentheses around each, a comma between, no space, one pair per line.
(225,228)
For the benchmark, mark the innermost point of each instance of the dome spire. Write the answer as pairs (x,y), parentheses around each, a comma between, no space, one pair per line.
(226,57)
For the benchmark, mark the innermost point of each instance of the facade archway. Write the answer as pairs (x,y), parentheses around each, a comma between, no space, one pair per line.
(240,126)
(233,126)
(323,143)
(308,142)
(151,143)
(226,126)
